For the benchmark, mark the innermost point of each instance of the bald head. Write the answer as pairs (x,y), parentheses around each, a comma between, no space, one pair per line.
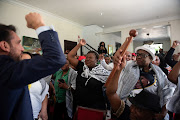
(25,56)
(128,55)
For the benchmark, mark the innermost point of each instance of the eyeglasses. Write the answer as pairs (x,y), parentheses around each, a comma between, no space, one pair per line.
(142,55)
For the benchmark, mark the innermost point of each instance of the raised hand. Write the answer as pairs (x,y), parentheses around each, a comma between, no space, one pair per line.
(34,20)
(82,42)
(118,57)
(119,60)
(175,43)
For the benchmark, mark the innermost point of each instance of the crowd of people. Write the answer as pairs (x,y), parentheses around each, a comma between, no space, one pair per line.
(53,85)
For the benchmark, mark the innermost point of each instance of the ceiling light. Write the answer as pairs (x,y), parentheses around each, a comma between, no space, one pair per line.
(102,25)
(157,26)
(101,14)
(143,28)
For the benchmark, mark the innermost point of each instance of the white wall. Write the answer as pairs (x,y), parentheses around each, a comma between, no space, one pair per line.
(166,44)
(14,13)
(110,39)
(174,30)
(93,34)
(175,33)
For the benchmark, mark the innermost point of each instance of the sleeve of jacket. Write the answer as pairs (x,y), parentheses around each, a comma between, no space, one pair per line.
(168,89)
(28,71)
(165,87)
(106,66)
(168,57)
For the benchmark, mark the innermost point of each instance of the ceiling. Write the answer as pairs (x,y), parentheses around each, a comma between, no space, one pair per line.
(160,33)
(109,13)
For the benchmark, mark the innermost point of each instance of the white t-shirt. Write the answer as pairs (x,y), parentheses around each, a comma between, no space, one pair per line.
(37,96)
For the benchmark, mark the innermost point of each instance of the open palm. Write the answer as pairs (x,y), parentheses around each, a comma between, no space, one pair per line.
(82,42)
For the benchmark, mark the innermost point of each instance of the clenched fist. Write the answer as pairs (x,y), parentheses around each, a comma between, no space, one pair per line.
(34,20)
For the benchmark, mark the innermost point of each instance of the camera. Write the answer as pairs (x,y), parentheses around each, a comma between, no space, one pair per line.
(61,80)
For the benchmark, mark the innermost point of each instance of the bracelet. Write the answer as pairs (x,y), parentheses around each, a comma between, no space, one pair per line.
(120,109)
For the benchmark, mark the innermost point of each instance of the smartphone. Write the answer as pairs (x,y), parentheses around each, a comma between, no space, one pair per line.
(61,80)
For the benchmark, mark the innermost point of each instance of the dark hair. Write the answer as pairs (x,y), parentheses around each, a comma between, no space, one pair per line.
(97,56)
(5,32)
(101,43)
(28,54)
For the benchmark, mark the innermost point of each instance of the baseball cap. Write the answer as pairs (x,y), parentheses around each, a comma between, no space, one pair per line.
(148,49)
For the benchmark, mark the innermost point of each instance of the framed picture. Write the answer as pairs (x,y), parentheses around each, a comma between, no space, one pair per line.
(110,49)
(31,45)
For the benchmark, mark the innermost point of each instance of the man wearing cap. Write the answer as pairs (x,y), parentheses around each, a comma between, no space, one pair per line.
(144,105)
(131,74)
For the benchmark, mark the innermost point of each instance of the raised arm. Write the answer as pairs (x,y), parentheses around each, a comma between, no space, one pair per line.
(111,88)
(34,20)
(71,55)
(173,75)
(168,57)
(107,66)
(29,71)
(104,64)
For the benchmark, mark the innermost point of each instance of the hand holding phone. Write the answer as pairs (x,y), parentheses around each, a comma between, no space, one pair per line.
(61,80)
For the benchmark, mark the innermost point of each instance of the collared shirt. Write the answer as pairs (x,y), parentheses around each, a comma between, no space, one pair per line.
(60,92)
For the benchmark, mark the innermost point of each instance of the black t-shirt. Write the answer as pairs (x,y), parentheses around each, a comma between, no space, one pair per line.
(89,95)
(100,51)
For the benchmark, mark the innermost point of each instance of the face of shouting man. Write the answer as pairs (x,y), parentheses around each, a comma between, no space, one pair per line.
(143,58)
(15,49)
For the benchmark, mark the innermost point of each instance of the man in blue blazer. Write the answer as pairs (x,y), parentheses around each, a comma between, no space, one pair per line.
(15,75)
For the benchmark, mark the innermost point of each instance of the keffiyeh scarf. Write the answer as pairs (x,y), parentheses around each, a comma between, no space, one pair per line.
(98,72)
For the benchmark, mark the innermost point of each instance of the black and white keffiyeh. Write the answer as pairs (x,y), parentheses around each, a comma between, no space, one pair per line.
(98,72)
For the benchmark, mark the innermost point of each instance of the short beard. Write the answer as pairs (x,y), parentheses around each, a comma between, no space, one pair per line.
(14,56)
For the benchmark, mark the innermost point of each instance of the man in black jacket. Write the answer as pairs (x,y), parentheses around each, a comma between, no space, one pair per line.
(170,60)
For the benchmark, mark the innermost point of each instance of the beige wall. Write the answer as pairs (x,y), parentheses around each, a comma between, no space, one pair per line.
(175,33)
(14,13)
(93,34)
(174,30)
(166,44)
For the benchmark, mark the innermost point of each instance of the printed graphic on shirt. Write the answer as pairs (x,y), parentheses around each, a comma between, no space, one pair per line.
(149,83)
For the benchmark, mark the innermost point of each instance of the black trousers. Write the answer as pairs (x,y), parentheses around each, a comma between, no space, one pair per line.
(60,112)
